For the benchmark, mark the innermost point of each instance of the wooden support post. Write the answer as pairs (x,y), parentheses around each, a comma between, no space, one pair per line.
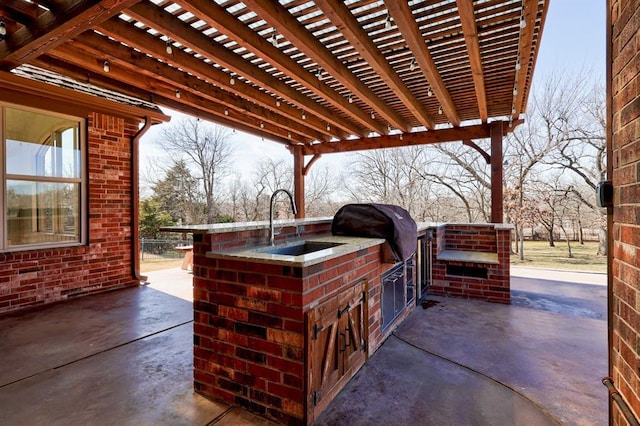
(298,180)
(496,172)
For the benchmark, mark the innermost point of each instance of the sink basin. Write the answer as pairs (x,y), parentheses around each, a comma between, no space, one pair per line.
(300,248)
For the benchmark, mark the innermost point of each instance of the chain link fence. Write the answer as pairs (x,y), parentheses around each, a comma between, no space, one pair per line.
(151,249)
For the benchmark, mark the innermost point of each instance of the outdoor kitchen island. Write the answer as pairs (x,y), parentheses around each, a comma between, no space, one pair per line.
(281,334)
(280,329)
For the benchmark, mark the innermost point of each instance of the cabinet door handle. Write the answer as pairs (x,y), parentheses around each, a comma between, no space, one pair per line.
(345,337)
(342,311)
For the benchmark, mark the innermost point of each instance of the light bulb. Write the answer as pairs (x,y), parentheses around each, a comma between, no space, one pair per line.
(169,48)
(274,40)
(289,135)
(226,111)
(440,110)
(518,65)
(373,115)
(261,125)
(515,91)
(232,81)
(319,74)
(3,28)
(350,99)
(277,102)
(304,116)
(178,93)
(387,22)
(328,127)
(523,23)
(429,92)
(106,67)
(413,65)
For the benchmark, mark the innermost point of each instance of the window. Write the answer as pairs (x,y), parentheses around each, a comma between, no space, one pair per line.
(43,179)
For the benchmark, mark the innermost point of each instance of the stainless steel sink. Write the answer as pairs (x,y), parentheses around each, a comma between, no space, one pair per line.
(299,248)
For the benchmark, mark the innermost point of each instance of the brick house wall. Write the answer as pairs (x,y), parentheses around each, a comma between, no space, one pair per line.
(36,277)
(624,159)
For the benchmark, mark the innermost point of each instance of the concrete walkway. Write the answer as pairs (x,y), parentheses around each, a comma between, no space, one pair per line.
(125,358)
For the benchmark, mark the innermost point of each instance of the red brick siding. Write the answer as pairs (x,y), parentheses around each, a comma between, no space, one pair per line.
(625,263)
(37,277)
(249,321)
(474,238)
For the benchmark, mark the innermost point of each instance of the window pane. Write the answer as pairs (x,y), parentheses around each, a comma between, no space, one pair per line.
(42,145)
(42,212)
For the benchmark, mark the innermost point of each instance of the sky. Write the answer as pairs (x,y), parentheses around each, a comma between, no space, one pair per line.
(573,39)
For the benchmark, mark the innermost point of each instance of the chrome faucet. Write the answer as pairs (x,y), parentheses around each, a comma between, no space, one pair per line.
(273,197)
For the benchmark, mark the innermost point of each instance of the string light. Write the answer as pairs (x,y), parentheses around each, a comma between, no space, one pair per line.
(3,28)
(278,102)
(440,111)
(304,116)
(523,22)
(429,92)
(373,115)
(513,110)
(401,136)
(289,135)
(169,48)
(178,94)
(518,65)
(413,65)
(350,99)
(232,81)
(387,22)
(319,74)
(389,128)
(515,90)
(328,127)
(106,67)
(261,125)
(226,111)
(274,40)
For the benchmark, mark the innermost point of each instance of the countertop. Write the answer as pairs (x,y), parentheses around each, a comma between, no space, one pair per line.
(254,254)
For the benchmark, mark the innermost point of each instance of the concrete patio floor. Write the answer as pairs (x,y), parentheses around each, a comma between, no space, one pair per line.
(125,358)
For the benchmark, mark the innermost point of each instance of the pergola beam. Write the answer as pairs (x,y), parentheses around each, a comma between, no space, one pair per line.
(340,15)
(470,30)
(154,16)
(403,17)
(525,56)
(280,18)
(218,17)
(53,29)
(139,39)
(455,134)
(161,76)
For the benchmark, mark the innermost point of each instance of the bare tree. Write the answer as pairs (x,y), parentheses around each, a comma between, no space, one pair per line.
(207,148)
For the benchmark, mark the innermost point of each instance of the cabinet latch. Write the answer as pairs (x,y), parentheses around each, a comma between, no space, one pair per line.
(345,309)
(316,330)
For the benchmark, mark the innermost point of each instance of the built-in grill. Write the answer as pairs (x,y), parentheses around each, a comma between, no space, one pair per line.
(387,221)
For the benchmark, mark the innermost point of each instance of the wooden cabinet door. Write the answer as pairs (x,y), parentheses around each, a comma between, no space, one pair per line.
(336,345)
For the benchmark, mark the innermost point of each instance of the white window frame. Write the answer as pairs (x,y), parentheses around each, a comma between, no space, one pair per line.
(81,181)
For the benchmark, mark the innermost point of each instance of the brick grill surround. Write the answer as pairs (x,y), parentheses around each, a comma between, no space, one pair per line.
(465,242)
(35,277)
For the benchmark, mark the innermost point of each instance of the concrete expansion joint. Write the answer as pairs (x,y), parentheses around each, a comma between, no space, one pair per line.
(221,416)
(478,373)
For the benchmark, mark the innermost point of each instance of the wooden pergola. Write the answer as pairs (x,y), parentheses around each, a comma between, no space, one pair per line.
(318,76)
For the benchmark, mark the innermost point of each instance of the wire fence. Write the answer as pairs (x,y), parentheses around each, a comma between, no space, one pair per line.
(162,249)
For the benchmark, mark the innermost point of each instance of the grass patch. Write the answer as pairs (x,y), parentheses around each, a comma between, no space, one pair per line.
(151,265)
(539,254)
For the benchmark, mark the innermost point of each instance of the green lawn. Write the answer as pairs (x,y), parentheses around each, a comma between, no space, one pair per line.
(538,254)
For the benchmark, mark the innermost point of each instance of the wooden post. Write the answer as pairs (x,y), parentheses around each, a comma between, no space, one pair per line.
(298,180)
(496,173)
